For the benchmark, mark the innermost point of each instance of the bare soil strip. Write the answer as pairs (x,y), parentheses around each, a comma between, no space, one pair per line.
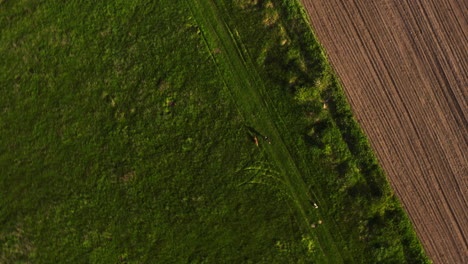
(404,68)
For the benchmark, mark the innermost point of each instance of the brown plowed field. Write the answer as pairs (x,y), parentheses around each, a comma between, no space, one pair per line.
(404,68)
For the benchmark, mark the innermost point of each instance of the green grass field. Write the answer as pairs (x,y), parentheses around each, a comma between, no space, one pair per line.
(128,136)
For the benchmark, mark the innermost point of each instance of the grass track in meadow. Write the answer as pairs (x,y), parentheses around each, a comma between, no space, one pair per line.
(247,89)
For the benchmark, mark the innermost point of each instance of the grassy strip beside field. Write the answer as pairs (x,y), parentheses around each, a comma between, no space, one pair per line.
(127,136)
(247,88)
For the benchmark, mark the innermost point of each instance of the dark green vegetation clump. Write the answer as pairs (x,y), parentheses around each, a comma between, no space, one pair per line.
(128,128)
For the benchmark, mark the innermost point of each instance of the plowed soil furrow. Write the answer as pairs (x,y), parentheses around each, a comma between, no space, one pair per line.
(404,68)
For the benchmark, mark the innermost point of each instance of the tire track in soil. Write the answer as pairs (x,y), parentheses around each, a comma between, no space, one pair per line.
(404,68)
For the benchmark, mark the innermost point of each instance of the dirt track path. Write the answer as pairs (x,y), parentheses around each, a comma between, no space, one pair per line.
(404,67)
